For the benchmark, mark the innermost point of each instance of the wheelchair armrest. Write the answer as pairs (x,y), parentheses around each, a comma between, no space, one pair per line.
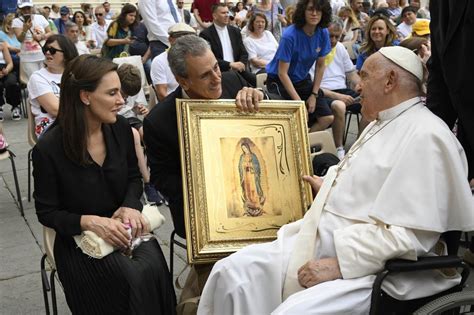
(423,263)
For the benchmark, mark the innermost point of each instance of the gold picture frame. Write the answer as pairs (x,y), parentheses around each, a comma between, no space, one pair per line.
(242,173)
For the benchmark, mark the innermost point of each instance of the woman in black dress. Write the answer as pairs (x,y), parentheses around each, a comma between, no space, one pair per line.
(87,178)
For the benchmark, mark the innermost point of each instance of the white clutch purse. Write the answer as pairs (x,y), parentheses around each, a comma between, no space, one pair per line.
(94,246)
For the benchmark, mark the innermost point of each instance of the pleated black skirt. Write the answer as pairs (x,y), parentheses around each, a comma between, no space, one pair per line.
(115,284)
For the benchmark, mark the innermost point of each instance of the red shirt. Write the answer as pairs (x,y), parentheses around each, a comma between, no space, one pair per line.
(205,8)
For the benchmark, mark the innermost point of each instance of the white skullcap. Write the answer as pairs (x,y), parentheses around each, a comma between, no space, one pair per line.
(404,58)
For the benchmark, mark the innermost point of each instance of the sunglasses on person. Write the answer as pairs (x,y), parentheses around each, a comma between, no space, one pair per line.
(99,14)
(51,50)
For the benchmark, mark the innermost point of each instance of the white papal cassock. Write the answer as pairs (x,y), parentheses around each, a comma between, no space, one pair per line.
(404,185)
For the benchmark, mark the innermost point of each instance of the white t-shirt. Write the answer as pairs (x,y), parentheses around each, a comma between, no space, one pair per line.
(334,77)
(127,109)
(160,72)
(404,30)
(82,48)
(31,49)
(42,82)
(262,48)
(99,33)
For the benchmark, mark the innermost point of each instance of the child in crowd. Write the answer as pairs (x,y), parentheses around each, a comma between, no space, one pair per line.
(134,98)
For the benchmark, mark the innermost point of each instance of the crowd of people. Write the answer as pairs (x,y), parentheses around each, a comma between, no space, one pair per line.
(92,123)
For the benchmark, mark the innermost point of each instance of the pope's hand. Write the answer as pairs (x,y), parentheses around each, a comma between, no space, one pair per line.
(247,99)
(317,271)
(314,181)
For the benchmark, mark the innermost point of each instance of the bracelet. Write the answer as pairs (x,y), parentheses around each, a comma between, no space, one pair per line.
(315,94)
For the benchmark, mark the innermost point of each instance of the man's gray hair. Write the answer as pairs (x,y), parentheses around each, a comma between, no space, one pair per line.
(188,45)
(69,25)
(337,22)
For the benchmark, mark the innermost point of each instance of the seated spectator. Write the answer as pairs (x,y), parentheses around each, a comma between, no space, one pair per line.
(99,28)
(421,12)
(186,16)
(88,13)
(357,8)
(109,13)
(61,22)
(9,84)
(289,12)
(274,13)
(380,33)
(301,45)
(8,37)
(404,29)
(46,12)
(54,14)
(119,34)
(326,262)
(421,28)
(339,71)
(87,179)
(197,71)
(260,44)
(394,9)
(163,79)
(226,43)
(30,29)
(134,98)
(141,46)
(72,32)
(84,34)
(351,34)
(240,13)
(44,84)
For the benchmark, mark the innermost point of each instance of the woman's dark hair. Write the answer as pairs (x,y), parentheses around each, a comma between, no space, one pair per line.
(83,16)
(253,17)
(126,9)
(83,73)
(321,5)
(66,45)
(368,47)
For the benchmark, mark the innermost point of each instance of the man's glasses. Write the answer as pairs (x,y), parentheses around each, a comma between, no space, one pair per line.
(99,14)
(51,50)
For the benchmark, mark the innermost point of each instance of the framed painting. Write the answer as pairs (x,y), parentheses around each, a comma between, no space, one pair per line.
(242,173)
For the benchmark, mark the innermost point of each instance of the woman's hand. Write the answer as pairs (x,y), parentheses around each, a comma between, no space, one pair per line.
(110,230)
(134,218)
(311,103)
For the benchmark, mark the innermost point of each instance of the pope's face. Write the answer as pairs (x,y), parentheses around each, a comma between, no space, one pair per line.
(371,87)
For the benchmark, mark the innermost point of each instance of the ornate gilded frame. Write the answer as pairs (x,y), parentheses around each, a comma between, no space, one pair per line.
(242,173)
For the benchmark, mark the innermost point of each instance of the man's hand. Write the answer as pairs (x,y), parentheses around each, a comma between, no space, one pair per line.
(247,99)
(134,218)
(314,181)
(237,66)
(311,103)
(317,271)
(347,99)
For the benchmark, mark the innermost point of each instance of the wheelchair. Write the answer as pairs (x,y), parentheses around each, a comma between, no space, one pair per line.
(451,301)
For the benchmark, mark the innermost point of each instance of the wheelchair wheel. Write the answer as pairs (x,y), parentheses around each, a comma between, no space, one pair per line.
(454,303)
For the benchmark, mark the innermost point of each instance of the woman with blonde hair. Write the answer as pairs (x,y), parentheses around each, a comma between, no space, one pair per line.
(7,36)
(351,32)
(379,33)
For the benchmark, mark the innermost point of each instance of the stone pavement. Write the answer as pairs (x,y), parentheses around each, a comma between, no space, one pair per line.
(21,238)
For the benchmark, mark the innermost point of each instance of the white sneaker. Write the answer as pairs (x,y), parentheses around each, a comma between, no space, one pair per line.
(340,152)
(16,115)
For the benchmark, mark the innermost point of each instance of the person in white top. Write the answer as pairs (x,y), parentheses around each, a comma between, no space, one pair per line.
(8,83)
(54,14)
(72,32)
(409,18)
(30,29)
(326,262)
(82,23)
(44,84)
(158,16)
(99,28)
(261,45)
(161,75)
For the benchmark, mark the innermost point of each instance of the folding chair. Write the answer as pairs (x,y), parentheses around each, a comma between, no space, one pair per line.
(8,154)
(173,242)
(49,236)
(321,142)
(32,139)
(349,114)
(137,62)
(261,80)
(23,80)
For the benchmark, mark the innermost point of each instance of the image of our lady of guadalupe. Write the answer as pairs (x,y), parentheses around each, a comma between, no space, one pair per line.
(249,170)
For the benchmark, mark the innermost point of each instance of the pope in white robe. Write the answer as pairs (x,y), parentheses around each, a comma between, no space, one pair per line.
(402,184)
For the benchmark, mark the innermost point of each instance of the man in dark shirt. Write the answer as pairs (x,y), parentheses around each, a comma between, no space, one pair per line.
(197,71)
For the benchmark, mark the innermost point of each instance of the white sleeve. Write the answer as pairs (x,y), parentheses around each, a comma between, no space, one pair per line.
(348,65)
(158,72)
(37,86)
(149,14)
(17,23)
(362,249)
(41,21)
(249,45)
